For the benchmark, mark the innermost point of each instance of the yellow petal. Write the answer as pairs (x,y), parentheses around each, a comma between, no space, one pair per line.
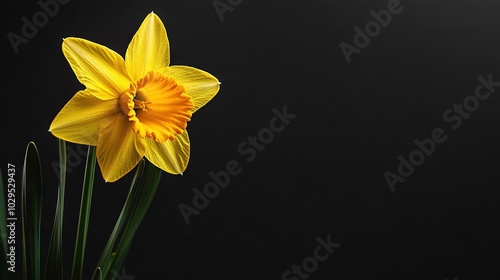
(100,69)
(149,49)
(79,120)
(119,149)
(171,156)
(200,85)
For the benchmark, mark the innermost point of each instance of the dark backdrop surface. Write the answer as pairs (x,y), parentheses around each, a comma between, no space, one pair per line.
(324,177)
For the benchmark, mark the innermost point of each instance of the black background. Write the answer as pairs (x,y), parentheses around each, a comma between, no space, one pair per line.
(323,175)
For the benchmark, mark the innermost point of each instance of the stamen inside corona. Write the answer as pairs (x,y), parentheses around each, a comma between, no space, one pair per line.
(158,107)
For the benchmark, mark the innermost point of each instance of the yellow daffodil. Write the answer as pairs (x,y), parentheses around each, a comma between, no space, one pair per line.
(134,106)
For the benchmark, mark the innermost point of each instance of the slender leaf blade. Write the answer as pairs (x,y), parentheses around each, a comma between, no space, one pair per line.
(31,207)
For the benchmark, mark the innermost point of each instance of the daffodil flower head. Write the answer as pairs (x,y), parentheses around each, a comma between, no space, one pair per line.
(133,107)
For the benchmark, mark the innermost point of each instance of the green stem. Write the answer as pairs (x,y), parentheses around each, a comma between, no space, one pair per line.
(54,265)
(106,257)
(83,221)
(141,200)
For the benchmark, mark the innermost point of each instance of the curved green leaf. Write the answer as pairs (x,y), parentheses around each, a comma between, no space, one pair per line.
(31,207)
